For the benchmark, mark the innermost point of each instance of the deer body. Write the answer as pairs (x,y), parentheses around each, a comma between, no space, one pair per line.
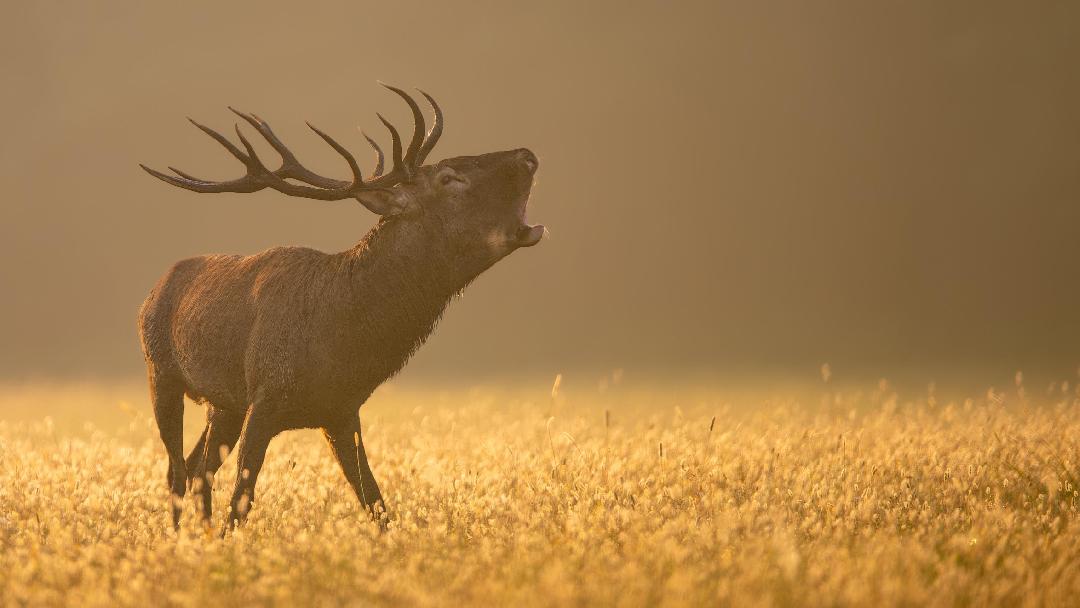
(296,338)
(319,330)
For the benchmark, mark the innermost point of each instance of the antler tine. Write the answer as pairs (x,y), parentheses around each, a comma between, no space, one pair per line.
(254,164)
(196,185)
(378,153)
(221,139)
(186,175)
(290,166)
(263,128)
(358,176)
(418,127)
(398,165)
(434,134)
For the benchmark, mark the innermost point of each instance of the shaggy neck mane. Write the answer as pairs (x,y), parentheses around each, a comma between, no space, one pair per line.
(398,281)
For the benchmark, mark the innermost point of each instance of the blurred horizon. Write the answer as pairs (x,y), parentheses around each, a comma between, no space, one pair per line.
(734,191)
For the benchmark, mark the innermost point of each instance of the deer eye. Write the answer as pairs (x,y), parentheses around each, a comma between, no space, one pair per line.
(448,179)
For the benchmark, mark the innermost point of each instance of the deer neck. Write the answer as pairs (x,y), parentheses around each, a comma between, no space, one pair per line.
(401,277)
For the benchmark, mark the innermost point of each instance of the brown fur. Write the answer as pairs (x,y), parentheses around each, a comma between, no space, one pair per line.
(296,338)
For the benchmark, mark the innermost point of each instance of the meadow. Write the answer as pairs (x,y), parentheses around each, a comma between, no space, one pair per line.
(601,496)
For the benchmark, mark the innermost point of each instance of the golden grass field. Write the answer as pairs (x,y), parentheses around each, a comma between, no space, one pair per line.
(822,497)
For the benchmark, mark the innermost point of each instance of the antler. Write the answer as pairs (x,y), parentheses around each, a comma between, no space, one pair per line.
(314,185)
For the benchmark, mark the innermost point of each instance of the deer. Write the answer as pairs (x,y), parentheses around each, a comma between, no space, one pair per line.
(295,338)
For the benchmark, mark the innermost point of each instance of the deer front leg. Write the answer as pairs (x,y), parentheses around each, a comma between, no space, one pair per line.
(348,448)
(258,429)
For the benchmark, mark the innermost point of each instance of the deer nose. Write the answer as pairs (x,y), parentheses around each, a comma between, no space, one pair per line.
(526,156)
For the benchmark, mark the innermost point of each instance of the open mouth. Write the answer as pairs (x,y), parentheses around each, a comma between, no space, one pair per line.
(528,234)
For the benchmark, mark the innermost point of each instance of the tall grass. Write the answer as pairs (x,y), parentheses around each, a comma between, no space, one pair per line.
(842,498)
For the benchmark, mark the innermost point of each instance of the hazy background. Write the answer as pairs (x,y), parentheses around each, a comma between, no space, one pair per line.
(737,188)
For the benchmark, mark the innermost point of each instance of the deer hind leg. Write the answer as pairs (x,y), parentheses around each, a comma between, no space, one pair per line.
(259,427)
(222,431)
(348,448)
(194,458)
(168,399)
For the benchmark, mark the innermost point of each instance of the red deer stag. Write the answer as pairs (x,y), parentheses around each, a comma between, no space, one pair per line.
(295,338)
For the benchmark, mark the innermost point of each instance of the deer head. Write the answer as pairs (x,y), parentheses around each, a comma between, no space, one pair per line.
(474,202)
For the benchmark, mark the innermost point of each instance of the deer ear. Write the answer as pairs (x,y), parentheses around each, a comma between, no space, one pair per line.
(385,201)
